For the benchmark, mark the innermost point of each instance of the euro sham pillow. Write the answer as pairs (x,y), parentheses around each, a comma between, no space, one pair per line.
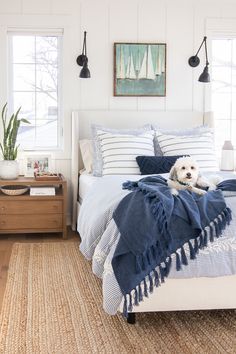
(119,151)
(151,165)
(202,129)
(200,147)
(97,153)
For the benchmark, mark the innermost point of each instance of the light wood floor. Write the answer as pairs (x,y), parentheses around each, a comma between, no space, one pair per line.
(7,241)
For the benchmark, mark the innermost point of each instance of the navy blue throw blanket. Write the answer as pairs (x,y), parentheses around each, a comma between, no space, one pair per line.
(228,185)
(154,225)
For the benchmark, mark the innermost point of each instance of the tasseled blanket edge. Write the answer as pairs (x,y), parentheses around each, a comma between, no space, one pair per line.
(158,275)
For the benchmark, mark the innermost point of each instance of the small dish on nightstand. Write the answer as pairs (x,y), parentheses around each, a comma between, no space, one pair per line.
(14,189)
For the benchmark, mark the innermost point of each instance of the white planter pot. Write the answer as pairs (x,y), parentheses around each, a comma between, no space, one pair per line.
(9,169)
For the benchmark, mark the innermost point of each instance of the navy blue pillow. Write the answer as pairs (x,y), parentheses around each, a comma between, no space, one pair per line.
(151,165)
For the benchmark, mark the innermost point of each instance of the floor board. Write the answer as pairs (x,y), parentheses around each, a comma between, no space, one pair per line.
(7,241)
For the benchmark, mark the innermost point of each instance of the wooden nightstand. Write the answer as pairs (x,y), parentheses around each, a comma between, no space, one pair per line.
(30,214)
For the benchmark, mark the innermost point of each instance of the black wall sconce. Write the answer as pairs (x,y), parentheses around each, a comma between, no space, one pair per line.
(82,60)
(194,61)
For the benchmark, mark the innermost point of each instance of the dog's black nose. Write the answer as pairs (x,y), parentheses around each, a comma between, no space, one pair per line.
(188,174)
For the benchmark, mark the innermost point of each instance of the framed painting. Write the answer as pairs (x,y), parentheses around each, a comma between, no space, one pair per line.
(139,69)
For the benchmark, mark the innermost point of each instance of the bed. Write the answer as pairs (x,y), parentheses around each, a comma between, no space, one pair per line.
(193,289)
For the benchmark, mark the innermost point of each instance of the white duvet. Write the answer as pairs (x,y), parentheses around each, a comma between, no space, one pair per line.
(99,236)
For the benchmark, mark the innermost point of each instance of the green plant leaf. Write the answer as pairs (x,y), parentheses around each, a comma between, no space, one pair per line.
(24,120)
(3,115)
(9,126)
(10,131)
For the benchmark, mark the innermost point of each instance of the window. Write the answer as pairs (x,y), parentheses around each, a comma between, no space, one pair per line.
(34,82)
(224,89)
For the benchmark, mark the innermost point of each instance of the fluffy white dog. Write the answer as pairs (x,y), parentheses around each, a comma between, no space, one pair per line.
(185,175)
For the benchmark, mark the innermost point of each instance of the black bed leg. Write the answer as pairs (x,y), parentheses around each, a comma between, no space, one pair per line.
(131,318)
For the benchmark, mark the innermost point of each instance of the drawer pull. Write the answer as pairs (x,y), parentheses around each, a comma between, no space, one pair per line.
(55,206)
(3,208)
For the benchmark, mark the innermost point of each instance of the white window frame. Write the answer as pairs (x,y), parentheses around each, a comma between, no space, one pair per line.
(39,32)
(70,97)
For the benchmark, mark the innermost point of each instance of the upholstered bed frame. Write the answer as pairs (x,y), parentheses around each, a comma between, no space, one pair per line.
(176,294)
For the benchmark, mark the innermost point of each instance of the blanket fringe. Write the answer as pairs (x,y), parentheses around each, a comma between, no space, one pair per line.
(211,233)
(183,257)
(191,250)
(178,263)
(158,275)
(140,293)
(156,281)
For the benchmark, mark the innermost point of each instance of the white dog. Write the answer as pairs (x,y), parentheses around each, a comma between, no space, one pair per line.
(185,175)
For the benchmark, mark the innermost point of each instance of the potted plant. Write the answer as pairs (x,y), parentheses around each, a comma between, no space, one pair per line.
(9,168)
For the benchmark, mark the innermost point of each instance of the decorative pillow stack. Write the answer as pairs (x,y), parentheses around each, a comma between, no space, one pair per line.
(200,147)
(114,151)
(119,151)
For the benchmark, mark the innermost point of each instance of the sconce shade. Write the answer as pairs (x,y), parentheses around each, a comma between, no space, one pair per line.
(85,73)
(205,76)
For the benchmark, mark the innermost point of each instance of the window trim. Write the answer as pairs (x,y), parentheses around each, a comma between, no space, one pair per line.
(15,31)
(71,99)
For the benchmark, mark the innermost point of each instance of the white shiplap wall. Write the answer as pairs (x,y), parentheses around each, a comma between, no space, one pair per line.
(179,23)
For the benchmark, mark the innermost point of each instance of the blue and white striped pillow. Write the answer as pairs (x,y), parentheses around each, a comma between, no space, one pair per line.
(200,147)
(119,151)
(97,155)
(199,130)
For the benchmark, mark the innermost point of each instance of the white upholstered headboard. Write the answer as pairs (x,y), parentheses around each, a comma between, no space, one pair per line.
(82,120)
(134,119)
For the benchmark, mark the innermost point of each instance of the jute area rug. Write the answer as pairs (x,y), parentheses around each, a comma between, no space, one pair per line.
(53,304)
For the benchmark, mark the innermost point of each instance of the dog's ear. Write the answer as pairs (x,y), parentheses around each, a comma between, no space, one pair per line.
(173,173)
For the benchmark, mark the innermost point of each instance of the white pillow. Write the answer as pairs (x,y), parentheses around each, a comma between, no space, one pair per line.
(86,148)
(119,151)
(200,147)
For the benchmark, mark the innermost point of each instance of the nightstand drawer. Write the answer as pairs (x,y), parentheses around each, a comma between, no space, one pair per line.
(30,207)
(33,222)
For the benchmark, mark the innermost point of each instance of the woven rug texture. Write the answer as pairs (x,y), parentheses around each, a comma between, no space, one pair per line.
(53,304)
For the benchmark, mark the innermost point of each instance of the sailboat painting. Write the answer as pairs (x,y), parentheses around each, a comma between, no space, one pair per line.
(139,69)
